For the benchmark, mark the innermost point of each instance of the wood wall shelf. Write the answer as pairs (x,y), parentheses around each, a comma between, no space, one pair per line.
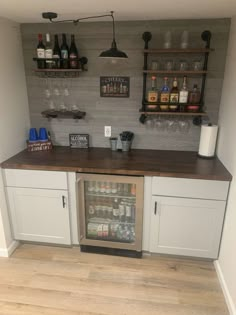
(178,72)
(63,114)
(174,113)
(179,51)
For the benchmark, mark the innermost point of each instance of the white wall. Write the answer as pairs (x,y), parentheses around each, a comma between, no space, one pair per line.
(14,113)
(227,153)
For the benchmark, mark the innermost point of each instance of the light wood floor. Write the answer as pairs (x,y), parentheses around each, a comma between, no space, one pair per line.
(43,280)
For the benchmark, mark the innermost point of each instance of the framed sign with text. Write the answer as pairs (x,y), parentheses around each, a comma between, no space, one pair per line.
(79,140)
(114,86)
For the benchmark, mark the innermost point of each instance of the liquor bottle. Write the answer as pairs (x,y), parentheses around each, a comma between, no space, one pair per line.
(183,94)
(64,53)
(165,92)
(48,52)
(40,52)
(174,96)
(103,188)
(73,54)
(116,210)
(56,53)
(110,209)
(152,96)
(194,95)
(174,93)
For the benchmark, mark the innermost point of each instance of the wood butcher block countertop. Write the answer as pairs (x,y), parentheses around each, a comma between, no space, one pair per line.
(183,164)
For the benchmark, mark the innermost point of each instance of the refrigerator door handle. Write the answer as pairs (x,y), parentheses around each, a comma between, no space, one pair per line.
(155,209)
(80,205)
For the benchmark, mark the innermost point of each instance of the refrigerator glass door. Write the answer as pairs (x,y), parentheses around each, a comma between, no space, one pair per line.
(111,210)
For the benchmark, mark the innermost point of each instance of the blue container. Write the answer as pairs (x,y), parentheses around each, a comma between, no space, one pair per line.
(43,135)
(33,135)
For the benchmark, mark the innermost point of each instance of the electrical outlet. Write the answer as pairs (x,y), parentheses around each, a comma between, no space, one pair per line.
(107,131)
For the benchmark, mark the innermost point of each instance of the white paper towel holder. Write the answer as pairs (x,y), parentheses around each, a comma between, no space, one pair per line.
(206,157)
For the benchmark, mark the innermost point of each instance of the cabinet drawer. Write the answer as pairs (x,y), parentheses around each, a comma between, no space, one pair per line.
(35,179)
(191,188)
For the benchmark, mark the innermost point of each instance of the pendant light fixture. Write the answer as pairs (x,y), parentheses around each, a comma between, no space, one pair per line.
(113,52)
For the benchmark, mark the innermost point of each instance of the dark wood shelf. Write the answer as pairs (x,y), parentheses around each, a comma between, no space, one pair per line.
(175,72)
(179,51)
(174,113)
(63,114)
(59,70)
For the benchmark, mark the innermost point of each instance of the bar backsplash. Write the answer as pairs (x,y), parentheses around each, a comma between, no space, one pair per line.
(121,114)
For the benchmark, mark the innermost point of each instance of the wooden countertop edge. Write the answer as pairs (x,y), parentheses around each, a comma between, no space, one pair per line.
(160,173)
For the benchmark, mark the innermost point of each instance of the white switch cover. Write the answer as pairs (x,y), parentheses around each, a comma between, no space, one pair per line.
(107,131)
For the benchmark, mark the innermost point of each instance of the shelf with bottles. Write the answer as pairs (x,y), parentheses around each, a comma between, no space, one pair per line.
(59,61)
(152,101)
(110,189)
(113,232)
(63,114)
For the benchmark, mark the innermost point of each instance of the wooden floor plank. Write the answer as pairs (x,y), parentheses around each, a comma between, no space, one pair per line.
(53,280)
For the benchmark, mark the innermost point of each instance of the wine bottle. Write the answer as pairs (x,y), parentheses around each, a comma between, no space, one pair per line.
(40,52)
(183,94)
(73,54)
(56,53)
(48,52)
(64,53)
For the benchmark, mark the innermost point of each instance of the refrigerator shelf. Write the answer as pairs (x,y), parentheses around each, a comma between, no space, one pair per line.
(111,196)
(108,221)
(110,239)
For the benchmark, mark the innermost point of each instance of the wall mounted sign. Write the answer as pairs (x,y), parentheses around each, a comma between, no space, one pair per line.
(79,140)
(114,86)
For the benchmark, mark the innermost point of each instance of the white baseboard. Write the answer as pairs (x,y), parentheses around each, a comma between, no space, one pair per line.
(228,299)
(6,252)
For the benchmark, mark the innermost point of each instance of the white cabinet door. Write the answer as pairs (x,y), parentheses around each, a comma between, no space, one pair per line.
(183,226)
(40,215)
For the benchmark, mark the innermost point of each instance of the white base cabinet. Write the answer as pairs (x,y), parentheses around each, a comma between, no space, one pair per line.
(184,226)
(39,215)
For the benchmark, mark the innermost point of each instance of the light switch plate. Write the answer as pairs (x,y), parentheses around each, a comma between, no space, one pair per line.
(107,131)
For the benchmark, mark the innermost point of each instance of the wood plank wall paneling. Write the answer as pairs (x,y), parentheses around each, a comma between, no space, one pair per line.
(121,114)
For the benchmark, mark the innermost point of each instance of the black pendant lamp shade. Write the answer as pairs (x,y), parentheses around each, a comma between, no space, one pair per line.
(113,52)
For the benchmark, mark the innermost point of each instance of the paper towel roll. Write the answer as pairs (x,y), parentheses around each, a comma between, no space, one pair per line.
(208,138)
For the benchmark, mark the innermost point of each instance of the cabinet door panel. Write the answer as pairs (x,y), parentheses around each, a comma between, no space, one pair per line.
(40,215)
(184,226)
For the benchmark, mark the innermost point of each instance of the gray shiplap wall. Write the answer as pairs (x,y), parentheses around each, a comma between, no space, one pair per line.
(121,114)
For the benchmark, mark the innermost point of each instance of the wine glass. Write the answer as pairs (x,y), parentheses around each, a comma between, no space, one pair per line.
(149,123)
(160,124)
(184,125)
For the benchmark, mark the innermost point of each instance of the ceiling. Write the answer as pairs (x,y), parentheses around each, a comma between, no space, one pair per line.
(29,11)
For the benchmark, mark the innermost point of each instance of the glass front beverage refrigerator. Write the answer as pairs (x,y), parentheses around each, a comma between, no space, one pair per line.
(110,213)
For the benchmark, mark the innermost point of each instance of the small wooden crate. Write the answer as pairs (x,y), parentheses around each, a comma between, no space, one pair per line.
(39,146)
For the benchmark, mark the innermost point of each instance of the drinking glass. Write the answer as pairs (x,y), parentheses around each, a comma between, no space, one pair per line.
(183,65)
(155,65)
(160,124)
(172,125)
(169,65)
(197,65)
(149,123)
(184,125)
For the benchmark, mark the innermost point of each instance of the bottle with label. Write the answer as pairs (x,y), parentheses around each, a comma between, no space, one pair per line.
(165,94)
(64,53)
(116,211)
(40,52)
(152,96)
(183,94)
(194,95)
(48,52)
(56,53)
(73,54)
(109,209)
(174,95)
(122,211)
